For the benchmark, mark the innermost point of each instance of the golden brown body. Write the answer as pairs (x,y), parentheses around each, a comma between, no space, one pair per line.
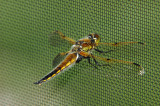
(68,61)
(83,49)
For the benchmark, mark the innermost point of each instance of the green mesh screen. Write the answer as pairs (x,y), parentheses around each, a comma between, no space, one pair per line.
(26,55)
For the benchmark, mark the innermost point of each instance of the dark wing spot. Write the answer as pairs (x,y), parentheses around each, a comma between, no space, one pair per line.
(141,43)
(136,64)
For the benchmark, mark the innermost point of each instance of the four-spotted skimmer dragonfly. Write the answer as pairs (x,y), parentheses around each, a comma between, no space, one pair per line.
(82,49)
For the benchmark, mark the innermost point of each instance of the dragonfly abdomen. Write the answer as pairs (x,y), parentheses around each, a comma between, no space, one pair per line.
(67,62)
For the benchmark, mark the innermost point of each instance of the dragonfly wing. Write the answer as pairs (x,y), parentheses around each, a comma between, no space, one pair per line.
(60,57)
(57,38)
(120,67)
(122,48)
(121,44)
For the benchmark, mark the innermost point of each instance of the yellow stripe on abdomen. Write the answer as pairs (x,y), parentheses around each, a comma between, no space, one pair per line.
(68,61)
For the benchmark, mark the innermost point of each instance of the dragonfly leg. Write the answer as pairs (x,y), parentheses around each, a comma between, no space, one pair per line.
(91,63)
(95,60)
(98,63)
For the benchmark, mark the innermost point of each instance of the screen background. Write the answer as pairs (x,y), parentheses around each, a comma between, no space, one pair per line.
(26,55)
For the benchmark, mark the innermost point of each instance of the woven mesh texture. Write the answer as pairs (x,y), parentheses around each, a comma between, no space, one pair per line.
(26,55)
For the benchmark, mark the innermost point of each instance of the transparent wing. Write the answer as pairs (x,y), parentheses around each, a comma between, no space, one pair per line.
(118,68)
(58,38)
(120,43)
(120,46)
(60,57)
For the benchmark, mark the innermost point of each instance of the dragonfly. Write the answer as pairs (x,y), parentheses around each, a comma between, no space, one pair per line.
(83,49)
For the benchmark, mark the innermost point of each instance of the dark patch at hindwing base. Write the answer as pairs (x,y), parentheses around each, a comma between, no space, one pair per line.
(80,57)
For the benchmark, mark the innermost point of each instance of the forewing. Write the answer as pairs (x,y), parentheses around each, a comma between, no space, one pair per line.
(57,38)
(121,46)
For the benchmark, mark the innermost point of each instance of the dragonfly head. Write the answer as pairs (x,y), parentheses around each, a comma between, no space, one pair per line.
(94,38)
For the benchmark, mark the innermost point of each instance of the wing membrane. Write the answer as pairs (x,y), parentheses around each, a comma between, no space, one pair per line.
(120,67)
(122,48)
(120,43)
(59,58)
(58,38)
